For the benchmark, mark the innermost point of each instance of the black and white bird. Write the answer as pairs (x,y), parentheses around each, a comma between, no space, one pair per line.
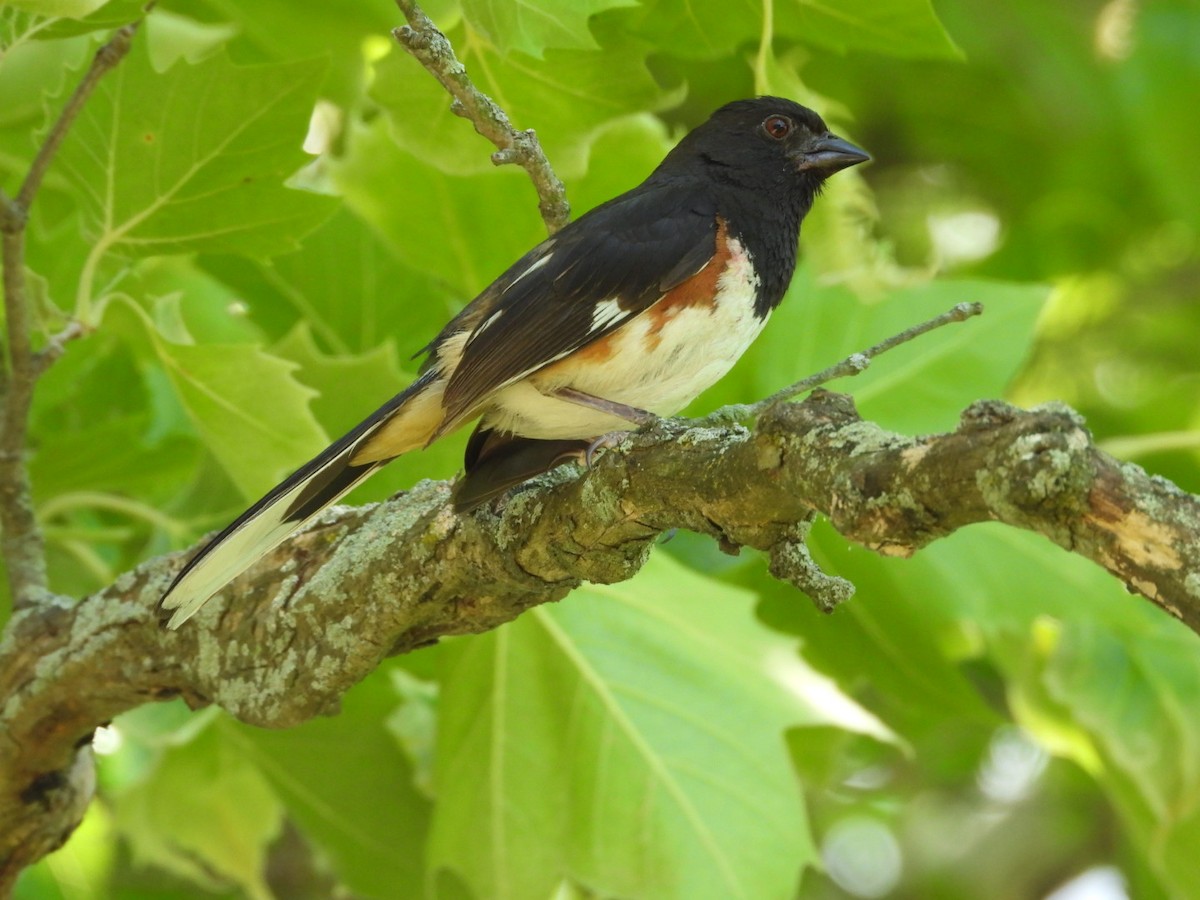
(626,314)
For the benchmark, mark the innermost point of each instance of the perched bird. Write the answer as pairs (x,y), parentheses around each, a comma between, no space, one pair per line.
(626,314)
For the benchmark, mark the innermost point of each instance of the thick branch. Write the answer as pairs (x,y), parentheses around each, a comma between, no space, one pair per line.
(317,615)
(429,46)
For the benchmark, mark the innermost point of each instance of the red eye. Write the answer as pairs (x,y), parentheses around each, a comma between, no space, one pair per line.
(777,127)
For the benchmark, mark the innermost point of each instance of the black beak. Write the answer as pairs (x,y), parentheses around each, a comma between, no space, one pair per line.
(831,154)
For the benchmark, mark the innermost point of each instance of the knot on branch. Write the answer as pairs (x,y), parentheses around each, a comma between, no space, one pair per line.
(792,562)
(1044,472)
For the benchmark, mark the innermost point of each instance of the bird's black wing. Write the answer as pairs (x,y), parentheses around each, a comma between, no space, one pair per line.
(579,285)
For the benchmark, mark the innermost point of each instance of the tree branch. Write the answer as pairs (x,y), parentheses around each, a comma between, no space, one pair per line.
(318,614)
(58,794)
(22,546)
(429,46)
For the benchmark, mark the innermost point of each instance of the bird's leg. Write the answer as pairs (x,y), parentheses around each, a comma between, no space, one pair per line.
(632,414)
(622,411)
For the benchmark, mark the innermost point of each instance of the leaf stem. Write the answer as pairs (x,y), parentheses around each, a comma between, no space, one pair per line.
(432,49)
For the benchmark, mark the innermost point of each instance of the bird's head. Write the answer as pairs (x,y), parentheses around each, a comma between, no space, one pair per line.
(765,136)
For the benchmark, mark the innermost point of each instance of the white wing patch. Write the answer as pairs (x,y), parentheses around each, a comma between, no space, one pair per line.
(606,312)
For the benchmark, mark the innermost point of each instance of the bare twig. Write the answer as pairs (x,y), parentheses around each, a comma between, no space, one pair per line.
(22,546)
(57,345)
(429,46)
(852,365)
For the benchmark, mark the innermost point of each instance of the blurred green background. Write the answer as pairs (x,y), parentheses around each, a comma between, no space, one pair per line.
(991,719)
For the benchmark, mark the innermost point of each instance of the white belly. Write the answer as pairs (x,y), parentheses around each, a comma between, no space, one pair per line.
(660,373)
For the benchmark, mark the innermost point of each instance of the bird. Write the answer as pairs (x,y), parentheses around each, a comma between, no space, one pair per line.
(624,315)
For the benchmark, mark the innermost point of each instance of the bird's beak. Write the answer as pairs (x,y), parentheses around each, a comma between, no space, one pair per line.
(831,154)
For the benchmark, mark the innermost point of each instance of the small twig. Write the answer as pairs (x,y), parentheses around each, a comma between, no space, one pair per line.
(57,345)
(852,365)
(22,547)
(430,47)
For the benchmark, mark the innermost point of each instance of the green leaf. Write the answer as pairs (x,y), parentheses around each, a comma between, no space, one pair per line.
(73,9)
(114,454)
(205,813)
(373,376)
(919,387)
(629,739)
(1097,676)
(464,231)
(567,98)
(347,286)
(171,38)
(893,645)
(29,70)
(1153,82)
(246,404)
(620,157)
(285,30)
(110,15)
(694,29)
(193,159)
(533,26)
(414,725)
(908,29)
(1132,693)
(349,788)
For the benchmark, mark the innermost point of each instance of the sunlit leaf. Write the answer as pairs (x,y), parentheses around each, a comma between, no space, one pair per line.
(694,28)
(903,28)
(354,799)
(567,98)
(533,26)
(1132,694)
(204,813)
(246,404)
(193,159)
(465,231)
(75,9)
(630,739)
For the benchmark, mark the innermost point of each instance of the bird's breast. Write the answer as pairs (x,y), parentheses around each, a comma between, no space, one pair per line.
(658,361)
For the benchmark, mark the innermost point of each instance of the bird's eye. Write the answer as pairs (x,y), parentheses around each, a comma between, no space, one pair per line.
(777,127)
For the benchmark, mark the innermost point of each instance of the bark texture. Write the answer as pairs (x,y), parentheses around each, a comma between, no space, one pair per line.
(288,638)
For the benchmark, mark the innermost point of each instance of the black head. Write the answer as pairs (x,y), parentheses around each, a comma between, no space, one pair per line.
(762,163)
(765,143)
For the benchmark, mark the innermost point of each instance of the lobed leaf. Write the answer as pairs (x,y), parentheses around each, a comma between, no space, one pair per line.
(533,26)
(205,814)
(192,159)
(631,740)
(352,797)
(246,404)
(567,98)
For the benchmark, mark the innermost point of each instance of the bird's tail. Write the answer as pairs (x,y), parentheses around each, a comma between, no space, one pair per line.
(403,423)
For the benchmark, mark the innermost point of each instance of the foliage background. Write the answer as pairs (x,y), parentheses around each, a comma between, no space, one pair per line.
(992,718)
